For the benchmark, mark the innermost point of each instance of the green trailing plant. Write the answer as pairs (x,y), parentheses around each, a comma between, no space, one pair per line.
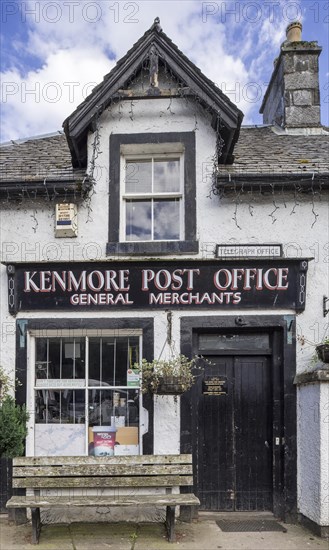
(13,420)
(13,429)
(6,384)
(178,373)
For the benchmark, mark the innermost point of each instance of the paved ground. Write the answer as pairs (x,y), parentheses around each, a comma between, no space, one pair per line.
(203,534)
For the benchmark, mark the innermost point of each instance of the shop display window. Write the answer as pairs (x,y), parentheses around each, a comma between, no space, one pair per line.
(90,381)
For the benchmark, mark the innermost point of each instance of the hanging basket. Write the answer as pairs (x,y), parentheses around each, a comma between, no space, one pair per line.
(323,352)
(172,376)
(171,385)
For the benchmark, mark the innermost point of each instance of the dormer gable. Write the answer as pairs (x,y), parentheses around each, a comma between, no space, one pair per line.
(154,54)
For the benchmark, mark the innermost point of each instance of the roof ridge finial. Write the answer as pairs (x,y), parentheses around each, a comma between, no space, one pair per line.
(157,25)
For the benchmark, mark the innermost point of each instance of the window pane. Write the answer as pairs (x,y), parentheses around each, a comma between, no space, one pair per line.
(126,355)
(54,370)
(73,358)
(138,220)
(166,220)
(166,176)
(95,375)
(58,358)
(101,361)
(42,362)
(227,342)
(138,176)
(60,406)
(41,350)
(110,358)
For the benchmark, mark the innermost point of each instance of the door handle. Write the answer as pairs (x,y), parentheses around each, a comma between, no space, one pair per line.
(279,441)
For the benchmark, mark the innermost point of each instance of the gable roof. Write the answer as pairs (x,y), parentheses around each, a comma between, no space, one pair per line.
(196,84)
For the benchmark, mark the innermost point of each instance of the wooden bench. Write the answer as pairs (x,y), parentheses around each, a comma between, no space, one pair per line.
(132,473)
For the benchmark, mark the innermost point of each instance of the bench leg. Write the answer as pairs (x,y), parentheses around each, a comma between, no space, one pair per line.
(36,525)
(17,515)
(188,513)
(170,523)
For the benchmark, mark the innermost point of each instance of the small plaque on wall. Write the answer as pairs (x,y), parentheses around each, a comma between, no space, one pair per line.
(249,251)
(66,220)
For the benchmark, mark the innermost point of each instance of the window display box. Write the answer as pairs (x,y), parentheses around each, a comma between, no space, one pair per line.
(127,436)
(123,450)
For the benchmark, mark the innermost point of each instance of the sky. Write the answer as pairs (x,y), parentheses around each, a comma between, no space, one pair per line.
(54,52)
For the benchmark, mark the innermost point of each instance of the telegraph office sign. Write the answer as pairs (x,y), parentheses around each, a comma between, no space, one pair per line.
(278,283)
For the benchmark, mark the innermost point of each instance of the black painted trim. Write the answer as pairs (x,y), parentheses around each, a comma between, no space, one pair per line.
(269,182)
(70,188)
(284,421)
(159,248)
(189,245)
(146,324)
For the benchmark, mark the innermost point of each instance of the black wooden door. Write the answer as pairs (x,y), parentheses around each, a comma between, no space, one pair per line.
(234,434)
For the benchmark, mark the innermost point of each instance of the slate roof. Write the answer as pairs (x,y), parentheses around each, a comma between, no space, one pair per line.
(36,158)
(41,165)
(265,150)
(262,155)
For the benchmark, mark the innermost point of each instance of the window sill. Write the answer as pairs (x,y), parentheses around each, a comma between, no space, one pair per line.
(159,248)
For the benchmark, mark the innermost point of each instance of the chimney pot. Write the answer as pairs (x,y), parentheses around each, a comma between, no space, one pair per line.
(294,32)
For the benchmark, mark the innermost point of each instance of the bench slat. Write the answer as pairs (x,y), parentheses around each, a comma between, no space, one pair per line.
(128,500)
(101,470)
(88,460)
(80,482)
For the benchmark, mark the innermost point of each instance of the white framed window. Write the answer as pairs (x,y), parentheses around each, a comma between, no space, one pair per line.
(84,384)
(152,192)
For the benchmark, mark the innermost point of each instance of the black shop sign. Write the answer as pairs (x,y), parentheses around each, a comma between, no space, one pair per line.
(278,283)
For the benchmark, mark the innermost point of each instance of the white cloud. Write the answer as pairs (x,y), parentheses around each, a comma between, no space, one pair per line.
(39,102)
(77,42)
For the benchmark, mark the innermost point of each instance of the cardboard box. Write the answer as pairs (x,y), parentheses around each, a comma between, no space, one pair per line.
(127,436)
(122,450)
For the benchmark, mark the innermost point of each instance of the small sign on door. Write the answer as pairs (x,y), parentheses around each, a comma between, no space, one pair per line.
(214,385)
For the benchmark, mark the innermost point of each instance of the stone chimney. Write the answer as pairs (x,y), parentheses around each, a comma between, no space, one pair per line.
(292,99)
